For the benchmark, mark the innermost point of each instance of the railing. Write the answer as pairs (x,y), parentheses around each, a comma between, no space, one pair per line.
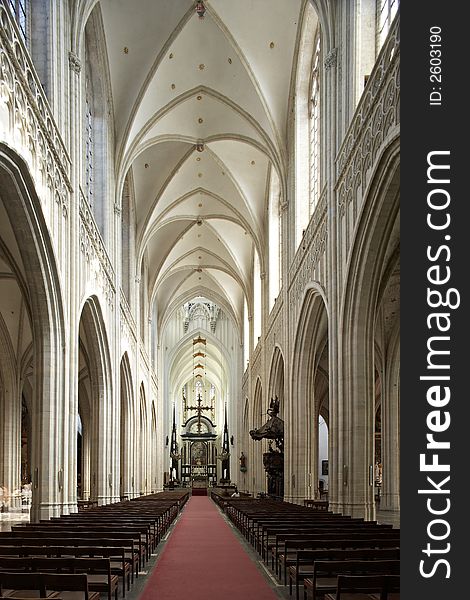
(92,245)
(145,357)
(309,236)
(32,125)
(273,315)
(378,111)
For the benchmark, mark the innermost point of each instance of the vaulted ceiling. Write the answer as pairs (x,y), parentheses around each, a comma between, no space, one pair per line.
(222,81)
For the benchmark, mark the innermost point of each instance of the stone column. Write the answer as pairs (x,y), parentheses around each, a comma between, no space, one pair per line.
(390,500)
(10,444)
(86,482)
(335,445)
(73,290)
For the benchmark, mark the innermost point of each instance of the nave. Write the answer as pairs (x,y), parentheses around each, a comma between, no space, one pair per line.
(199,290)
(204,559)
(175,546)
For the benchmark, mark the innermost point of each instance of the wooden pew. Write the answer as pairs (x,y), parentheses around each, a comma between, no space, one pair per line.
(100,578)
(285,554)
(325,573)
(131,553)
(139,535)
(386,586)
(303,568)
(41,585)
(118,563)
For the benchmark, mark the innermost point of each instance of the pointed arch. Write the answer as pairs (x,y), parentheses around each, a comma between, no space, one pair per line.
(375,238)
(143,442)
(309,350)
(94,340)
(276,386)
(127,446)
(38,277)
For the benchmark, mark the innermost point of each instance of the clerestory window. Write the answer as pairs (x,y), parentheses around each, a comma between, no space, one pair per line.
(386,11)
(314,157)
(19,9)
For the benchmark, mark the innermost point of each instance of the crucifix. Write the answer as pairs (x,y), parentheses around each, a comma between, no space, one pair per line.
(199,410)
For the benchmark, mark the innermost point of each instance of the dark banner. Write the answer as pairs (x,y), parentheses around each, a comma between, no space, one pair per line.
(435,321)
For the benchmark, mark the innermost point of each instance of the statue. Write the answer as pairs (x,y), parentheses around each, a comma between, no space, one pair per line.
(242,460)
(273,429)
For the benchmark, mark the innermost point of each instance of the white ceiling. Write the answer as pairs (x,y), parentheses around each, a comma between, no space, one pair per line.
(223,80)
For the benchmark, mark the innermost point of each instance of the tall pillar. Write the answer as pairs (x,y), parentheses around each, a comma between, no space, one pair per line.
(10,445)
(336,441)
(390,498)
(72,351)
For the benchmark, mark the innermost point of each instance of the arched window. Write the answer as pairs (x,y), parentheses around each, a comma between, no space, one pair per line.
(274,239)
(20,10)
(257,302)
(89,140)
(246,335)
(386,11)
(314,156)
(307,122)
(97,125)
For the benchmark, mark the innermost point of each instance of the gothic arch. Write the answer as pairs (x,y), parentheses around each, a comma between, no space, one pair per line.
(127,445)
(276,385)
(37,273)
(153,448)
(144,447)
(94,341)
(375,240)
(308,390)
(257,477)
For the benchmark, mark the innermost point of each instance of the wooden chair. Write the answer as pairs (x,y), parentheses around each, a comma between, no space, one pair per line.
(302,572)
(358,587)
(22,585)
(100,578)
(71,587)
(13,564)
(120,566)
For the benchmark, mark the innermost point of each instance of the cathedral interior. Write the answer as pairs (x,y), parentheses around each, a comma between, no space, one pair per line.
(199,255)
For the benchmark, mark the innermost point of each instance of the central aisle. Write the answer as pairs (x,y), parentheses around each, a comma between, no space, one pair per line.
(204,560)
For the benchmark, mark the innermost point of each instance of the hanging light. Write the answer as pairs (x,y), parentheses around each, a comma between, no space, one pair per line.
(200,9)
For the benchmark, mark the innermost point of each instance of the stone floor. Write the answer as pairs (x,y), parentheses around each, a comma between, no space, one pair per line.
(7,519)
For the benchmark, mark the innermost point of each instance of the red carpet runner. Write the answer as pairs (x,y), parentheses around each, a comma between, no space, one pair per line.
(203,560)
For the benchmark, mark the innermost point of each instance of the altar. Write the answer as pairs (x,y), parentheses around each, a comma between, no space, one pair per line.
(199,486)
